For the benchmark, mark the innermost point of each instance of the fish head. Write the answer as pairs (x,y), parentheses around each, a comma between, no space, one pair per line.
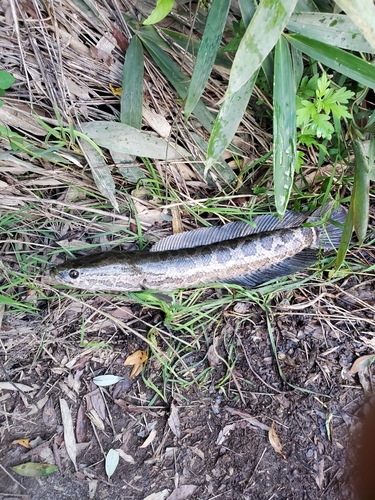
(99,272)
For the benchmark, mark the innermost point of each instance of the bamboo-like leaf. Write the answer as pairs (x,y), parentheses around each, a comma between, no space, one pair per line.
(345,63)
(361,192)
(248,8)
(162,9)
(335,29)
(284,125)
(227,120)
(125,139)
(175,77)
(132,85)
(212,35)
(100,171)
(362,13)
(345,238)
(260,37)
(106,380)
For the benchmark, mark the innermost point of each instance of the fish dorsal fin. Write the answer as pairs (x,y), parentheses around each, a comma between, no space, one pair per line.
(238,229)
(288,266)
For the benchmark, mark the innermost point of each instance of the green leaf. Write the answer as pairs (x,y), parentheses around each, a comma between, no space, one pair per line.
(162,9)
(132,85)
(284,125)
(260,37)
(227,120)
(361,193)
(175,76)
(343,62)
(6,80)
(34,469)
(335,29)
(345,238)
(362,13)
(208,48)
(125,139)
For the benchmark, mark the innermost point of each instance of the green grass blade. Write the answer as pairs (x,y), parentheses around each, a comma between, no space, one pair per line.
(362,13)
(345,63)
(361,191)
(260,37)
(334,29)
(162,9)
(227,120)
(345,238)
(175,77)
(208,48)
(284,125)
(132,85)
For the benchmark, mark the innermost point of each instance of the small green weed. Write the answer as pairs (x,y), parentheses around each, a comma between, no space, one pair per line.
(6,81)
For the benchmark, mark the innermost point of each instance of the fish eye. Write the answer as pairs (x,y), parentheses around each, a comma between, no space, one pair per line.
(73,273)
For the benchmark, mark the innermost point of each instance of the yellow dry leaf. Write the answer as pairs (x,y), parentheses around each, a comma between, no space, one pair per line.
(23,442)
(275,441)
(115,90)
(137,358)
(136,370)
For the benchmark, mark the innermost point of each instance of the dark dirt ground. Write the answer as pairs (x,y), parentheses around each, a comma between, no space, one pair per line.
(221,452)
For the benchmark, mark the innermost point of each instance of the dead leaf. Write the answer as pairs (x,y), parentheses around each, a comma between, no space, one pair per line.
(137,358)
(49,414)
(15,387)
(149,439)
(95,419)
(136,370)
(69,439)
(213,358)
(251,420)
(361,363)
(182,492)
(174,421)
(275,441)
(319,476)
(224,433)
(25,442)
(81,424)
(32,469)
(128,458)
(160,495)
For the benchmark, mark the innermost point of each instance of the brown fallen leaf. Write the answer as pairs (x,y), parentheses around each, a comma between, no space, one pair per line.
(81,424)
(174,421)
(149,439)
(361,363)
(182,492)
(137,358)
(69,438)
(275,441)
(136,370)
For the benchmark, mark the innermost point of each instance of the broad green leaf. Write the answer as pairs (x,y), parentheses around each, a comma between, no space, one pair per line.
(100,171)
(345,63)
(362,13)
(34,469)
(260,37)
(248,8)
(175,76)
(162,9)
(361,194)
(111,462)
(132,85)
(227,120)
(335,29)
(284,125)
(6,80)
(371,157)
(208,48)
(125,139)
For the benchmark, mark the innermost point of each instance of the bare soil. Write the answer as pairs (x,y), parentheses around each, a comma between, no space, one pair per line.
(215,445)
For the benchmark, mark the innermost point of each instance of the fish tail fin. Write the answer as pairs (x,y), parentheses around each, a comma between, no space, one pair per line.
(330,232)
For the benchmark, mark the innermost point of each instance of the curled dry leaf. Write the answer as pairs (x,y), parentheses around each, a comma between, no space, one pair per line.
(212,356)
(23,442)
(81,424)
(128,458)
(361,363)
(136,370)
(275,441)
(69,439)
(174,421)
(149,439)
(137,358)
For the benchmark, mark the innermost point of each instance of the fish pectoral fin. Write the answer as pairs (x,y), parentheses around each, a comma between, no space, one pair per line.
(288,266)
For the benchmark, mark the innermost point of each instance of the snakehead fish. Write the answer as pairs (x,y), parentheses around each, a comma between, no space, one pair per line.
(234,253)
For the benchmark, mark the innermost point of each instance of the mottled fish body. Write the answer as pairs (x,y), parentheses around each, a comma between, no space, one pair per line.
(234,253)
